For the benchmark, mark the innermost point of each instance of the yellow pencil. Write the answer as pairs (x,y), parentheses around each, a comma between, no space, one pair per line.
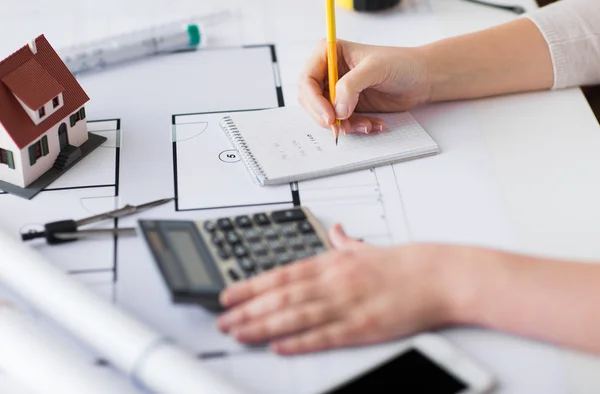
(332,64)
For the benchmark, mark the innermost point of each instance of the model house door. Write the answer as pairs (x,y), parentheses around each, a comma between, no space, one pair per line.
(63,137)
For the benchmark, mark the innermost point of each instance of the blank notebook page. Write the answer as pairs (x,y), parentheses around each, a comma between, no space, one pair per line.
(285,144)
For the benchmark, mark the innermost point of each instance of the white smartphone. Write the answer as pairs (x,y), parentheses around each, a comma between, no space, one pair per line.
(428,365)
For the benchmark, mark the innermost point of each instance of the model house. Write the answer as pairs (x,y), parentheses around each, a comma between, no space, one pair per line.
(42,116)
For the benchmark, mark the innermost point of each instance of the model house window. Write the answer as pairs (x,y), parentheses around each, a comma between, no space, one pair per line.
(77,116)
(6,157)
(74,118)
(42,112)
(38,150)
(55,102)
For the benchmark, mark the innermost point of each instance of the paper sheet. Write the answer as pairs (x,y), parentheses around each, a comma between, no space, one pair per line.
(407,202)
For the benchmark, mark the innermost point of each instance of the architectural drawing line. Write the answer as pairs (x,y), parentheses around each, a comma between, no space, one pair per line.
(57,189)
(89,271)
(404,213)
(387,218)
(235,206)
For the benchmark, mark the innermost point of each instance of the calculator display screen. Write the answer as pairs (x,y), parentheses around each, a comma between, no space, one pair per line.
(187,253)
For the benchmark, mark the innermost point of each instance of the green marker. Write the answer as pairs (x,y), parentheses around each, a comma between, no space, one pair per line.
(174,37)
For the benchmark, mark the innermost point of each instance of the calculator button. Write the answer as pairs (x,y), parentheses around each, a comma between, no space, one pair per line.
(247,264)
(232,238)
(210,226)
(265,262)
(258,249)
(305,227)
(243,221)
(270,233)
(239,250)
(225,224)
(223,253)
(261,219)
(301,254)
(313,240)
(288,230)
(284,258)
(318,250)
(276,246)
(217,240)
(296,243)
(251,235)
(233,275)
(288,215)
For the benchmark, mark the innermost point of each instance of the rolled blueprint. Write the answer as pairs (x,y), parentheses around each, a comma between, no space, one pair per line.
(143,354)
(45,365)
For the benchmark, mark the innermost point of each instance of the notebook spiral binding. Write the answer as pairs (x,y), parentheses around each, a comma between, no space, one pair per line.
(242,147)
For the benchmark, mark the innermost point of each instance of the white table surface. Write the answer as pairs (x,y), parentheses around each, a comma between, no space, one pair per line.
(543,147)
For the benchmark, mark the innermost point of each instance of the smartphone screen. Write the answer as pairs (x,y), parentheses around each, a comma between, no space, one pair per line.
(411,373)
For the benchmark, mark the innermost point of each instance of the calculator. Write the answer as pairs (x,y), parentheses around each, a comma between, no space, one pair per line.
(198,259)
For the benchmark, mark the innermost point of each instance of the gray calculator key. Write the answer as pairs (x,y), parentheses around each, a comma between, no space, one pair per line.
(296,243)
(258,249)
(239,250)
(251,235)
(247,264)
(276,246)
(232,238)
(313,240)
(270,233)
(223,253)
(243,221)
(318,250)
(217,240)
(288,215)
(261,219)
(210,226)
(224,224)
(288,230)
(301,254)
(265,262)
(305,227)
(233,274)
(284,258)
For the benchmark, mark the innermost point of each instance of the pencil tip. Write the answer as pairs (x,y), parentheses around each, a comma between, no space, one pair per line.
(336,140)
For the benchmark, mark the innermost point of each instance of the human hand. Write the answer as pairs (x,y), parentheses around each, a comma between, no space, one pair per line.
(372,79)
(355,295)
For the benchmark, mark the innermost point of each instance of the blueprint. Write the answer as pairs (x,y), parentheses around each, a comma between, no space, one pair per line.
(89,188)
(171,146)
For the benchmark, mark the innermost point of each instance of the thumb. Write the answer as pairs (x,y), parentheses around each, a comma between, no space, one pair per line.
(350,86)
(339,239)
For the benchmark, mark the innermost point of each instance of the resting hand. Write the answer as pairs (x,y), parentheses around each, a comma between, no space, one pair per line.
(372,79)
(355,295)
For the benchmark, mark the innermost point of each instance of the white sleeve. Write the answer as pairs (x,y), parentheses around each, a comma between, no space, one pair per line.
(572,30)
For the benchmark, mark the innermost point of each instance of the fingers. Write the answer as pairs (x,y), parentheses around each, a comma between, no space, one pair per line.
(246,290)
(315,104)
(351,85)
(286,322)
(363,124)
(341,241)
(270,302)
(310,87)
(336,334)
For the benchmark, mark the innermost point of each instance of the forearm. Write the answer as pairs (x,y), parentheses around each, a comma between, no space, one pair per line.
(549,300)
(512,57)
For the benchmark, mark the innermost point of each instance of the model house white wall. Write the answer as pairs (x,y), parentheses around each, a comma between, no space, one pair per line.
(49,109)
(7,174)
(24,173)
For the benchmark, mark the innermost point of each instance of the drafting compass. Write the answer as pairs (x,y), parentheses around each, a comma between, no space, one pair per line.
(68,230)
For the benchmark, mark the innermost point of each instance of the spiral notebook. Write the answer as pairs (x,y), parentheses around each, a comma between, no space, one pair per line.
(284,145)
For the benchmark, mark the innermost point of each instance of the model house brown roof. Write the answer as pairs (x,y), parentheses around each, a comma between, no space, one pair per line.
(33,84)
(32,87)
